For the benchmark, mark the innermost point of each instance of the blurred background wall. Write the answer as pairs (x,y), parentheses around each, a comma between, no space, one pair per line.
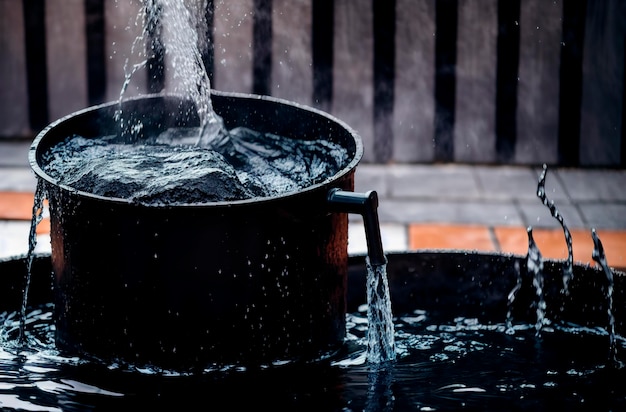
(422,81)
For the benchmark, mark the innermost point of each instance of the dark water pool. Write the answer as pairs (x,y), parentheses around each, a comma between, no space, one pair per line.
(453,350)
(462,364)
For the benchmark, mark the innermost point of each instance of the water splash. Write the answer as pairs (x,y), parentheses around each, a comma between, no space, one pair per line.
(568,269)
(534,265)
(511,299)
(169,27)
(37,216)
(599,256)
(159,171)
(380,332)
(181,45)
(144,48)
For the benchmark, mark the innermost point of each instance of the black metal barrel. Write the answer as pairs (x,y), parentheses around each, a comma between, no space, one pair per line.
(245,281)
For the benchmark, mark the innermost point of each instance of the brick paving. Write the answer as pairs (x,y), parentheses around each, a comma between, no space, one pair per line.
(440,206)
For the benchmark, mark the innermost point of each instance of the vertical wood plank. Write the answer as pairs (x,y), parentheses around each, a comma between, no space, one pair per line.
(36,70)
(323,35)
(233,46)
(66,56)
(123,24)
(384,71)
(353,69)
(414,105)
(446,27)
(538,89)
(96,51)
(474,128)
(571,73)
(292,68)
(262,47)
(13,88)
(603,83)
(507,78)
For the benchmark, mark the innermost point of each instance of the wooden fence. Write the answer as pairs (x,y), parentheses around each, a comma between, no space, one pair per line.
(473,81)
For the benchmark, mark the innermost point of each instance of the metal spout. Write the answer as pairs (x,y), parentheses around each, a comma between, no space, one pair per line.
(366,205)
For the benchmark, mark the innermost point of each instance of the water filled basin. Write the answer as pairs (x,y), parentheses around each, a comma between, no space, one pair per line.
(450,312)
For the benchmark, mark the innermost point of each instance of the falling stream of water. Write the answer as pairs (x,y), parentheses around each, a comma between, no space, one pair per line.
(380,333)
(32,243)
(179,41)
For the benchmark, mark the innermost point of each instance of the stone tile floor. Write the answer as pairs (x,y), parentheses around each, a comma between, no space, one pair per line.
(489,208)
(440,206)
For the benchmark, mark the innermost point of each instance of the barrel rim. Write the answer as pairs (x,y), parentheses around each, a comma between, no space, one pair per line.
(345,171)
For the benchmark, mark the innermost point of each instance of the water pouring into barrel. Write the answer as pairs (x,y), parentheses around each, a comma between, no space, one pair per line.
(188,283)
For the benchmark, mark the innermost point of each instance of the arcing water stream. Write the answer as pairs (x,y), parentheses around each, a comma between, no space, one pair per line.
(600,258)
(541,194)
(534,266)
(534,260)
(38,209)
